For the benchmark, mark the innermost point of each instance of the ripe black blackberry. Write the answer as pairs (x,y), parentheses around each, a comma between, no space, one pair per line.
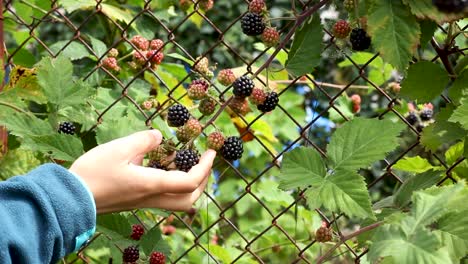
(420,127)
(156,165)
(252,24)
(359,39)
(67,128)
(185,159)
(270,103)
(232,148)
(411,118)
(451,6)
(426,114)
(243,87)
(177,115)
(131,254)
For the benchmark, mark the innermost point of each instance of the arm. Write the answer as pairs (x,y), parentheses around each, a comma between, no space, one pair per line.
(44,215)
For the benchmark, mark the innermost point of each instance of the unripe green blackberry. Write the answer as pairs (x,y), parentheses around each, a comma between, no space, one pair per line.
(202,65)
(349,5)
(114,53)
(183,134)
(207,106)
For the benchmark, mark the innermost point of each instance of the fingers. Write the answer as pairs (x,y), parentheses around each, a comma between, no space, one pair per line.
(154,181)
(138,143)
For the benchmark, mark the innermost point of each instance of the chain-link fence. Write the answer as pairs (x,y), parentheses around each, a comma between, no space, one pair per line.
(46,24)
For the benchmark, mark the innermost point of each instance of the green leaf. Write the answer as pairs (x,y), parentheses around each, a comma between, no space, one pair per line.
(395,32)
(58,146)
(360,142)
(460,114)
(72,50)
(220,253)
(114,225)
(300,168)
(420,247)
(415,183)
(459,88)
(117,14)
(23,125)
(425,9)
(428,29)
(98,46)
(452,155)
(425,81)
(153,241)
(456,247)
(413,164)
(113,129)
(72,5)
(306,49)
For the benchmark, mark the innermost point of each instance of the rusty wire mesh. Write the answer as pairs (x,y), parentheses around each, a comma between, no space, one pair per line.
(55,15)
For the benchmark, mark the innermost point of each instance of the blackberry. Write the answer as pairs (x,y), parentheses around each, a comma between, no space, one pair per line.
(137,232)
(252,24)
(215,141)
(420,127)
(451,6)
(131,254)
(270,103)
(185,159)
(426,114)
(411,118)
(156,165)
(323,234)
(207,106)
(177,115)
(157,258)
(359,39)
(232,148)
(67,128)
(243,86)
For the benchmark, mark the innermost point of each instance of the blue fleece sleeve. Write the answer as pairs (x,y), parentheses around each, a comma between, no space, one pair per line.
(44,215)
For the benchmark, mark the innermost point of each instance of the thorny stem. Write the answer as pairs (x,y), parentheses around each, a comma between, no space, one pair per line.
(347,237)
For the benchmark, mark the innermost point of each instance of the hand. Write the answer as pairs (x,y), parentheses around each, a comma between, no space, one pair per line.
(118,182)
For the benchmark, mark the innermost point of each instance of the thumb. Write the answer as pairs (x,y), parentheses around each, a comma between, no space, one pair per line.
(138,143)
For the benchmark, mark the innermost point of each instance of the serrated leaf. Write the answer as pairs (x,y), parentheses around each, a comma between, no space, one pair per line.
(420,247)
(415,183)
(460,114)
(72,50)
(425,9)
(456,247)
(428,29)
(343,192)
(153,241)
(424,81)
(300,168)
(395,32)
(220,253)
(452,155)
(306,49)
(459,88)
(72,5)
(360,142)
(58,146)
(23,125)
(113,129)
(114,225)
(98,46)
(413,164)
(23,86)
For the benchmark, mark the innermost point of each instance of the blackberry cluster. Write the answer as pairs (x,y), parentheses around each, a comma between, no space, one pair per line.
(270,102)
(451,6)
(185,159)
(137,232)
(426,114)
(411,118)
(131,254)
(252,24)
(359,39)
(243,86)
(232,148)
(67,128)
(177,115)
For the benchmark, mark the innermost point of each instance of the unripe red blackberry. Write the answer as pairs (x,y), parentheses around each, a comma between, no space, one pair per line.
(356,108)
(451,6)
(202,65)
(201,82)
(270,37)
(270,103)
(226,77)
(114,53)
(356,99)
(215,141)
(185,4)
(66,128)
(232,148)
(177,115)
(185,159)
(258,96)
(183,135)
(240,105)
(110,63)
(243,86)
(140,42)
(156,44)
(197,89)
(359,39)
(323,234)
(256,6)
(169,230)
(252,24)
(341,29)
(131,254)
(194,128)
(139,57)
(206,5)
(207,106)
(137,232)
(155,57)
(157,258)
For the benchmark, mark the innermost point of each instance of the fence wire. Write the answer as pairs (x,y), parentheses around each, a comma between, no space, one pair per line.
(174,34)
